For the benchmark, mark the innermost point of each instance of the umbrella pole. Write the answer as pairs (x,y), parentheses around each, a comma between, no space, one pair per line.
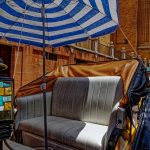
(44,77)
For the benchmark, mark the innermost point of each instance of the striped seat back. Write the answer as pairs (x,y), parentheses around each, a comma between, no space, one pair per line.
(88,99)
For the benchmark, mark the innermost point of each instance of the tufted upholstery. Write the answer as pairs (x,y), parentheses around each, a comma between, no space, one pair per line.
(78,116)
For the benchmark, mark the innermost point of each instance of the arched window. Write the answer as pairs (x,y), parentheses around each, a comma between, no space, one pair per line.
(144,23)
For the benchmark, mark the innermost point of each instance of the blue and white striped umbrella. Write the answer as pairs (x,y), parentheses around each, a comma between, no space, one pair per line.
(67,21)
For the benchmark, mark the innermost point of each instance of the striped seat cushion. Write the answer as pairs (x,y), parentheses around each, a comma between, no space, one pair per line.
(73,133)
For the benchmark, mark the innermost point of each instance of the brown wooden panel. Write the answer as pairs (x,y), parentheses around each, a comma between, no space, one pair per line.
(144,23)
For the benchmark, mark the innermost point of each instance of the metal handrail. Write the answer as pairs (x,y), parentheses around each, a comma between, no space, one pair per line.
(93,52)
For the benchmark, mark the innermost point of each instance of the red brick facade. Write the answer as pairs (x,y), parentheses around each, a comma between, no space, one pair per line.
(29,61)
(129,20)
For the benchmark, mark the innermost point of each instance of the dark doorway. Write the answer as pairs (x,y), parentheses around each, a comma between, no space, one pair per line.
(80,61)
(5,55)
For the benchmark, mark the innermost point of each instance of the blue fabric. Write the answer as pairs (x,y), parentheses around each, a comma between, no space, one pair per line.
(145,136)
(67,21)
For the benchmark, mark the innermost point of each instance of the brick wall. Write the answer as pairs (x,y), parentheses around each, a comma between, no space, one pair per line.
(128,23)
(128,14)
(29,64)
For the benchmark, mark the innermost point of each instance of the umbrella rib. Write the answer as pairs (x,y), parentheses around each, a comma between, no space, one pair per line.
(36,4)
(92,8)
(97,10)
(77,21)
(19,44)
(2,34)
(18,19)
(47,31)
(73,19)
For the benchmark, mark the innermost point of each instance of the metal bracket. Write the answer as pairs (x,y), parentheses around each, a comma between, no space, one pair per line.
(121,113)
(43,86)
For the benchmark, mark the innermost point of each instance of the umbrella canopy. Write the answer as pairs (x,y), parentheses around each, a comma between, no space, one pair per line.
(66,21)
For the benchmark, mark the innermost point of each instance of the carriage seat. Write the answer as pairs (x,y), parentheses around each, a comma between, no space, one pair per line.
(78,113)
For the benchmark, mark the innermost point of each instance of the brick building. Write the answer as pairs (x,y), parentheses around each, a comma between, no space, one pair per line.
(135,22)
(25,64)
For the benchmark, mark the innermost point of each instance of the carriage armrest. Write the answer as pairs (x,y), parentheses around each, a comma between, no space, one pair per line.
(31,106)
(116,124)
(121,117)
